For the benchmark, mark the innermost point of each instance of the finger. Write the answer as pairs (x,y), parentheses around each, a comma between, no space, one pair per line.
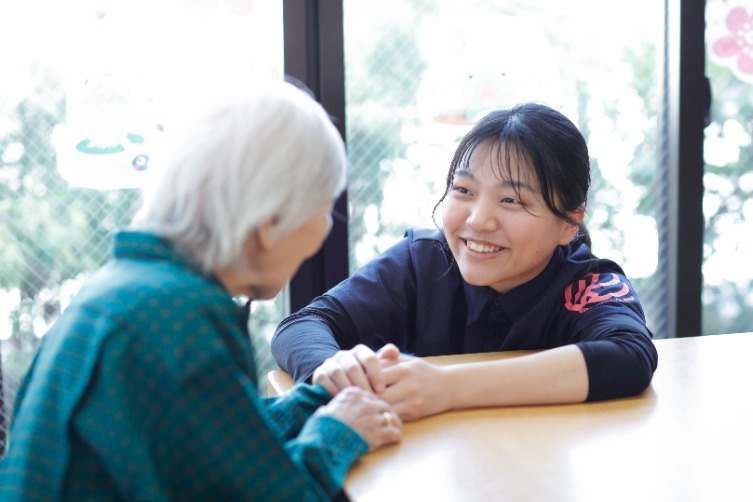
(389,351)
(392,419)
(393,374)
(405,410)
(337,375)
(392,431)
(386,363)
(323,380)
(371,366)
(386,429)
(353,371)
(391,435)
(395,394)
(379,405)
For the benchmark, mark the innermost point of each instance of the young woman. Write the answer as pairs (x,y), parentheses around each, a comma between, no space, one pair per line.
(510,269)
(145,388)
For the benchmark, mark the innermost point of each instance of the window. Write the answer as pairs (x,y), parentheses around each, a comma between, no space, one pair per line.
(87,89)
(419,74)
(728,178)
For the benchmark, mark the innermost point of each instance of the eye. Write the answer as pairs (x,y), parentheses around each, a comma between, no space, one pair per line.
(510,200)
(460,189)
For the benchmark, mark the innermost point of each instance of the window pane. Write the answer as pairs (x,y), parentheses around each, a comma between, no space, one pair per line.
(420,73)
(728,178)
(86,91)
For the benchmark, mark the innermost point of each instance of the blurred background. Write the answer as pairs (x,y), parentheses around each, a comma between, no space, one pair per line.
(89,87)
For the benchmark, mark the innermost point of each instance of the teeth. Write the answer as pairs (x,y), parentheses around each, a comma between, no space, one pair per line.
(482,248)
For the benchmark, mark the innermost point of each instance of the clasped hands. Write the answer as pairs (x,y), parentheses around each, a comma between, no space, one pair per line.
(413,387)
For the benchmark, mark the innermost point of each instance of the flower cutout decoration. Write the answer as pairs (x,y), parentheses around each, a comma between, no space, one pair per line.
(735,48)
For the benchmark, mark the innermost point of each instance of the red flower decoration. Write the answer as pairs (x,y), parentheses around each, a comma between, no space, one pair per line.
(738,43)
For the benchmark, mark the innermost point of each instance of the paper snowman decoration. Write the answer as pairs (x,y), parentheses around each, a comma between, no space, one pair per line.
(109,136)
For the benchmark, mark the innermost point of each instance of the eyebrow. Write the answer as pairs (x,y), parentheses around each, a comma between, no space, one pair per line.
(464,173)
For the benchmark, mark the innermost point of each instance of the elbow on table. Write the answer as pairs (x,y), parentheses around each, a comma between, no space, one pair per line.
(641,373)
(641,381)
(626,373)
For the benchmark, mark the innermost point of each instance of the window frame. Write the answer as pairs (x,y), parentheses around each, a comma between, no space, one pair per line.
(314,54)
(313,48)
(687,101)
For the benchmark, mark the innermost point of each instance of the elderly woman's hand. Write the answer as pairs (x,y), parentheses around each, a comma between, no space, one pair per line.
(368,415)
(359,366)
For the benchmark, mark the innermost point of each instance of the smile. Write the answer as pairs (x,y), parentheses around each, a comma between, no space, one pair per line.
(480,247)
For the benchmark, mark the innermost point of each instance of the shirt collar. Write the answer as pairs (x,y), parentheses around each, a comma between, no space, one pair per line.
(134,244)
(514,303)
(518,300)
(145,245)
(476,298)
(131,244)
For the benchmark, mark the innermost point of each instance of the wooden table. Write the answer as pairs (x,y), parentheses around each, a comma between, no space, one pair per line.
(688,437)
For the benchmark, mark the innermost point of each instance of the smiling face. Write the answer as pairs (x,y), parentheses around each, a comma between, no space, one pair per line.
(498,227)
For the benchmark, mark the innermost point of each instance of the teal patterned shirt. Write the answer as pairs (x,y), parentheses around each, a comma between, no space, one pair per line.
(145,389)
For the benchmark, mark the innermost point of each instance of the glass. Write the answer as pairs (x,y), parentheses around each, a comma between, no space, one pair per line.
(728,179)
(87,90)
(420,73)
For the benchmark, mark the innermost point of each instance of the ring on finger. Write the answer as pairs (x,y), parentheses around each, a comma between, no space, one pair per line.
(387,418)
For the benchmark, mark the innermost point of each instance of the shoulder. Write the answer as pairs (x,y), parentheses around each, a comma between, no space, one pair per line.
(425,237)
(428,244)
(129,290)
(592,289)
(596,284)
(154,308)
(419,249)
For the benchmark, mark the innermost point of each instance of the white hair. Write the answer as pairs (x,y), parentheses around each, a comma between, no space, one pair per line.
(270,154)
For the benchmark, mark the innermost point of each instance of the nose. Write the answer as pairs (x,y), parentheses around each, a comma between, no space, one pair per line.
(482,217)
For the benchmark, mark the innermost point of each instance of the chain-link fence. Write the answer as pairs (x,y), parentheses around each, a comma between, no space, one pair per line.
(728,179)
(53,235)
(58,208)
(419,73)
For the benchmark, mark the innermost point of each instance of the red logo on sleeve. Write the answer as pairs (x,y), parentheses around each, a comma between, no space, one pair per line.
(593,289)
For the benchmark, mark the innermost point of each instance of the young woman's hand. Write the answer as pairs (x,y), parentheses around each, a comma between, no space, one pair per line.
(369,416)
(359,366)
(416,388)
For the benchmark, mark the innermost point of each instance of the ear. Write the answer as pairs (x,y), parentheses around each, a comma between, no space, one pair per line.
(570,230)
(266,234)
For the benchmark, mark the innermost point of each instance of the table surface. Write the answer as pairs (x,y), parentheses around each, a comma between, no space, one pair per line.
(688,437)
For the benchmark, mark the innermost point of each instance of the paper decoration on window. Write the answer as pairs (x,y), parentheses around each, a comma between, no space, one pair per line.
(108,137)
(734,47)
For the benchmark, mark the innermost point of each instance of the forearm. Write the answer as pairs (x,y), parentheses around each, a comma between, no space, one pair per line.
(301,345)
(555,376)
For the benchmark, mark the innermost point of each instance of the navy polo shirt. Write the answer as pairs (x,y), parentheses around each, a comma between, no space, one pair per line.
(414,296)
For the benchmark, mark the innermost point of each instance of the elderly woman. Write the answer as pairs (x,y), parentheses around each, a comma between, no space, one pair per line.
(145,388)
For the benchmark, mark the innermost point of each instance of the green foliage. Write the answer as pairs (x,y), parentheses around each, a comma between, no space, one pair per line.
(726,306)
(51,233)
(380,94)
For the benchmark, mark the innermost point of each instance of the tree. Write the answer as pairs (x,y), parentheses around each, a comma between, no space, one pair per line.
(52,234)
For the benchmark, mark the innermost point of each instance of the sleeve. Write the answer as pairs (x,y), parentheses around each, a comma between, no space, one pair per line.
(290,412)
(202,433)
(374,306)
(609,327)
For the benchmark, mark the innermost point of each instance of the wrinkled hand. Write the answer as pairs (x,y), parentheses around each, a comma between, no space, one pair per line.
(359,366)
(368,415)
(416,388)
